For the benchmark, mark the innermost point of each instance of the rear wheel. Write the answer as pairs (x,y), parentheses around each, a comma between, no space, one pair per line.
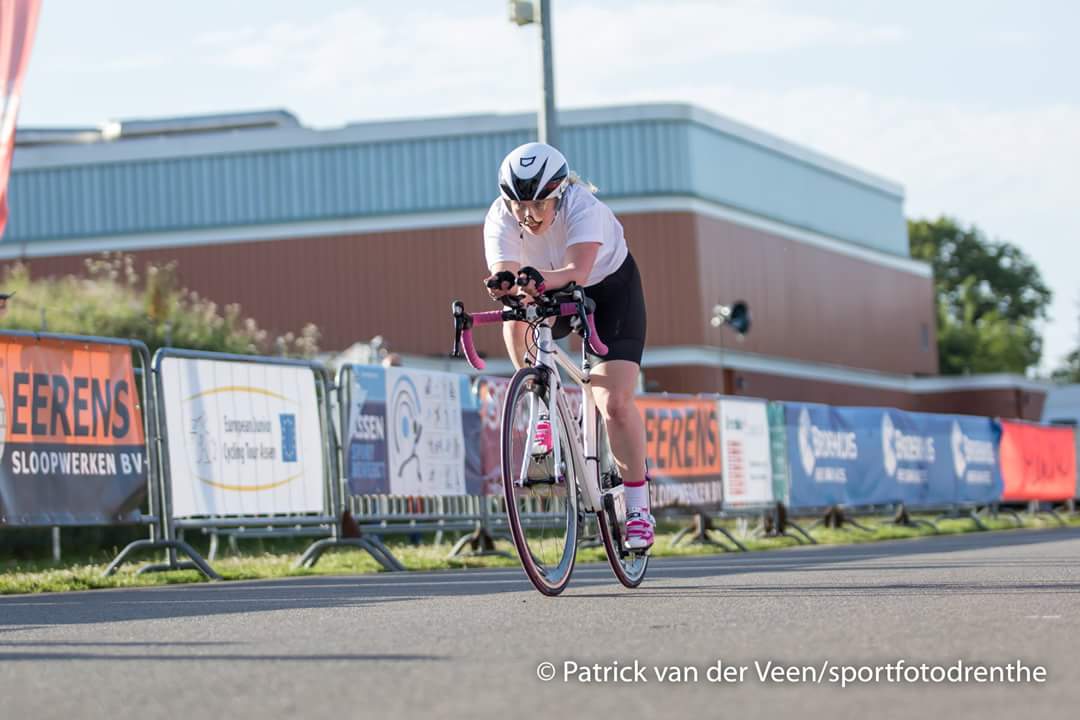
(541,493)
(629,566)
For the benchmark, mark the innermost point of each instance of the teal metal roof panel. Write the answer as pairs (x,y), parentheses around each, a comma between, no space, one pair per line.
(759,180)
(292,175)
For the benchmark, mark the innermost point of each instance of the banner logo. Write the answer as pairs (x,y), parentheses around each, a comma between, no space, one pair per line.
(969,451)
(816,444)
(898,448)
(288,437)
(220,446)
(806,449)
(407,429)
(957,438)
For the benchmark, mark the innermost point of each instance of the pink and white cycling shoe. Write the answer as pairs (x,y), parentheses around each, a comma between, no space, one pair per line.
(640,529)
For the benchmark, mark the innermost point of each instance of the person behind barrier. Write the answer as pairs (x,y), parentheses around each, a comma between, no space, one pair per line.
(548,225)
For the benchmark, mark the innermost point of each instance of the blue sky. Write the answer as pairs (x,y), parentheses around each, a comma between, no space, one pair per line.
(973,106)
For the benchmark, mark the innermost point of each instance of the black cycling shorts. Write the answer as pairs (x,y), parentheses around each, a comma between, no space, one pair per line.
(620,314)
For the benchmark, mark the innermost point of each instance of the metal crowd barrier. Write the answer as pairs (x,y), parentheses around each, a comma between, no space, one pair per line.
(477,516)
(480,518)
(277,525)
(377,515)
(155,540)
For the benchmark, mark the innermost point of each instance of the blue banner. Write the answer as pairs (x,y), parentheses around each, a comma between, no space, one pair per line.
(832,456)
(973,449)
(915,467)
(877,456)
(365,439)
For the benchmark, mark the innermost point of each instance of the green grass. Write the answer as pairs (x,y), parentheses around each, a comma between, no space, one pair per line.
(275,559)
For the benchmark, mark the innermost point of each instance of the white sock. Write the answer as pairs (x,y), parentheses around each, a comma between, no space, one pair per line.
(637,497)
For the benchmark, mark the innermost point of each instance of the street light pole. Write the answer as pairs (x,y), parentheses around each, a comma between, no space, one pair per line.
(547,125)
(527,12)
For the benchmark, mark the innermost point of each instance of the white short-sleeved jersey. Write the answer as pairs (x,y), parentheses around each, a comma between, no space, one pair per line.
(581,219)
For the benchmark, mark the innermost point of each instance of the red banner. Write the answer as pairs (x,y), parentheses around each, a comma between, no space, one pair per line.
(1037,462)
(18,20)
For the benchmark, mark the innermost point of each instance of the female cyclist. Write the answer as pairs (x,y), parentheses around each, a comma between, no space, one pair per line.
(548,227)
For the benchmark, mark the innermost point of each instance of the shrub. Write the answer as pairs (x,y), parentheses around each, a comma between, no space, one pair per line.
(111,300)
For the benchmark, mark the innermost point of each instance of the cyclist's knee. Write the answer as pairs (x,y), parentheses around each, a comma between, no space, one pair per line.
(617,407)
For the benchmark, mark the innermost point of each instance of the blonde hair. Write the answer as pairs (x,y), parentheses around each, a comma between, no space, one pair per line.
(574,179)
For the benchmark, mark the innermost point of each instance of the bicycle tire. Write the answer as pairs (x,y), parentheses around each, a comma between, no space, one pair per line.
(629,567)
(541,500)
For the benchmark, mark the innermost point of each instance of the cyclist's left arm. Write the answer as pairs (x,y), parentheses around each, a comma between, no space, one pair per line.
(579,259)
(584,238)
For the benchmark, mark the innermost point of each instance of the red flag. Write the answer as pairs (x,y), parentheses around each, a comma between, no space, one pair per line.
(18,20)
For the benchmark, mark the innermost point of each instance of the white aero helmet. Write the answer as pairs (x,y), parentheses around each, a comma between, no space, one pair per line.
(533,171)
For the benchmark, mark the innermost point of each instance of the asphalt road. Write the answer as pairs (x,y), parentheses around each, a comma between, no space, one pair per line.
(468,643)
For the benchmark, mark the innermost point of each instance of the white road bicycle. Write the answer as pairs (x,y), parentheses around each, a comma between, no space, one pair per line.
(556,468)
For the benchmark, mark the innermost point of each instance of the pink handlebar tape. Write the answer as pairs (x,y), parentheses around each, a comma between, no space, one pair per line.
(488,317)
(595,342)
(470,351)
(597,345)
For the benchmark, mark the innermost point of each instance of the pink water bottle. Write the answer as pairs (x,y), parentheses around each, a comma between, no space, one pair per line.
(543,442)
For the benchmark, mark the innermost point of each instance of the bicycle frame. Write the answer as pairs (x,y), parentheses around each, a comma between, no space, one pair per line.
(582,436)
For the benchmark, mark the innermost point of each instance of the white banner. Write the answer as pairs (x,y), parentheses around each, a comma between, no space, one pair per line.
(244,438)
(424,437)
(745,450)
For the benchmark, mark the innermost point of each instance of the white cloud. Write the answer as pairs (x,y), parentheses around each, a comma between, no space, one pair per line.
(382,65)
(120,64)
(1009,39)
(378,66)
(677,33)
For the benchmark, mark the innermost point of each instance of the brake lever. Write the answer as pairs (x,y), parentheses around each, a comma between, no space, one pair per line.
(582,315)
(462,322)
(455,352)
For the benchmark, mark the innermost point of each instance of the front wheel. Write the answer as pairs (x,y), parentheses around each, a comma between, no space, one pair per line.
(540,487)
(629,566)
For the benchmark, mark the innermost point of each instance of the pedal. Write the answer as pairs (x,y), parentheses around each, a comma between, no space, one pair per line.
(616,526)
(529,482)
(610,481)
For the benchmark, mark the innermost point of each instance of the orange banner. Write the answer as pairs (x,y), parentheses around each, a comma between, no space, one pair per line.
(66,393)
(682,436)
(1038,462)
(72,448)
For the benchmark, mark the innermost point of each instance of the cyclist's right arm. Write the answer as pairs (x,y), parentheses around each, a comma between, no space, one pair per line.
(513,332)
